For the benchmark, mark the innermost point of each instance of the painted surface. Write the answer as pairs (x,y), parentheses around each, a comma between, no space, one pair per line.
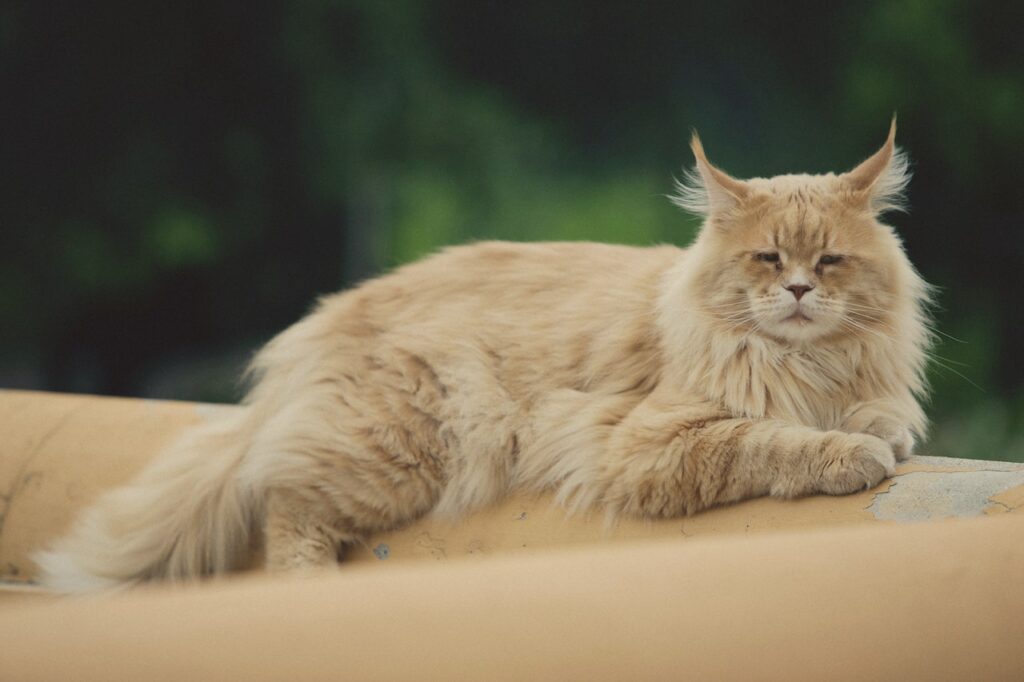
(924,489)
(60,452)
(952,489)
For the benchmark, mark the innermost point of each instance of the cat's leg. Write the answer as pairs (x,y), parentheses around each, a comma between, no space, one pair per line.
(885,419)
(666,461)
(334,494)
(301,532)
(353,444)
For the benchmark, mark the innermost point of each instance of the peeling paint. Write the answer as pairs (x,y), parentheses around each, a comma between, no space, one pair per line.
(933,495)
(1010,500)
(435,545)
(929,463)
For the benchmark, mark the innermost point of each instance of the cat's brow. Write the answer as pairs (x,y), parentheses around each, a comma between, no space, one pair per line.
(799,234)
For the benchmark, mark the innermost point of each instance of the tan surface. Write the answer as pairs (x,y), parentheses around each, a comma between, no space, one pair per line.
(878,602)
(684,599)
(60,451)
(527,523)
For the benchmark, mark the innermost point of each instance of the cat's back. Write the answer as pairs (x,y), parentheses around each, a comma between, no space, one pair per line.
(515,320)
(497,275)
(579,257)
(549,306)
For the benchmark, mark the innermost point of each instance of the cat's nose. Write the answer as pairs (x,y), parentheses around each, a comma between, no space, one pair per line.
(798,290)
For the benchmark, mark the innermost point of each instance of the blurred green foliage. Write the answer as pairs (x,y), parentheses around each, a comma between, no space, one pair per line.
(184,178)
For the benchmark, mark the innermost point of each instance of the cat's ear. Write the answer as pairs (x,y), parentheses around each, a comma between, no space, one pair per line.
(879,182)
(706,190)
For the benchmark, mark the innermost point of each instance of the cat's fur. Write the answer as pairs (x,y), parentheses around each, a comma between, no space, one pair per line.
(645,382)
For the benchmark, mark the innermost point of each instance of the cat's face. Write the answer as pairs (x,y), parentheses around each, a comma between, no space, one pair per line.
(799,264)
(799,258)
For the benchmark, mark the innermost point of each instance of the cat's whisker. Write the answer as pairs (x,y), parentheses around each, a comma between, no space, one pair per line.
(855,326)
(933,354)
(870,321)
(731,309)
(723,308)
(734,315)
(938,331)
(868,324)
(938,362)
(931,326)
(935,358)
(737,322)
(846,305)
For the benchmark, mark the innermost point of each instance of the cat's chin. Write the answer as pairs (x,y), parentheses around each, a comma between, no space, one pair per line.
(797,328)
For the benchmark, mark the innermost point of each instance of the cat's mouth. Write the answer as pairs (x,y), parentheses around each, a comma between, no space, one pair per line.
(798,317)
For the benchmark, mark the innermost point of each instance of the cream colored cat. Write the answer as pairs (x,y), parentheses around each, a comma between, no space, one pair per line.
(780,354)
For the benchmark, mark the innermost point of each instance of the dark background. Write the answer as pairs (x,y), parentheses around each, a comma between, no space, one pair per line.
(178,181)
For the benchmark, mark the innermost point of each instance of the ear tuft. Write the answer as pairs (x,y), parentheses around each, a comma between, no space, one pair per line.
(890,189)
(704,189)
(881,180)
(690,193)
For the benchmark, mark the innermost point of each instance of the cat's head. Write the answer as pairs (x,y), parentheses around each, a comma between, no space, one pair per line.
(801,258)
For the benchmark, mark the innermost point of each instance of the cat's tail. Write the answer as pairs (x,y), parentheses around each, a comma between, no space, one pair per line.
(189,513)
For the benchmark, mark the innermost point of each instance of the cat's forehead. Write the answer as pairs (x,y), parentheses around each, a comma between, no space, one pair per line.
(799,212)
(788,189)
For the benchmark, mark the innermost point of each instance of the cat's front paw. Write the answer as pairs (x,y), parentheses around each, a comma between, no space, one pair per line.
(898,436)
(862,462)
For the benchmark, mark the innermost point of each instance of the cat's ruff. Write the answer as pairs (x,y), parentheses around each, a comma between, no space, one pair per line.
(781,353)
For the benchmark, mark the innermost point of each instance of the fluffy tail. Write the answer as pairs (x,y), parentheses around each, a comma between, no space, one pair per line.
(188,514)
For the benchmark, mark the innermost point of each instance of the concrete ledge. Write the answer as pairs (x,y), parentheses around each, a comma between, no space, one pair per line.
(59,452)
(874,602)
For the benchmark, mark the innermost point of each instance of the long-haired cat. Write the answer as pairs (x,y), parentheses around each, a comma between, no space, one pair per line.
(782,354)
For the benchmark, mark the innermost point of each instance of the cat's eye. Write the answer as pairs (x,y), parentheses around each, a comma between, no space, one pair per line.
(829,259)
(768,256)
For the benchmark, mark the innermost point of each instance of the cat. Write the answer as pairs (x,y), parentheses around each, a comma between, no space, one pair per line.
(782,353)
